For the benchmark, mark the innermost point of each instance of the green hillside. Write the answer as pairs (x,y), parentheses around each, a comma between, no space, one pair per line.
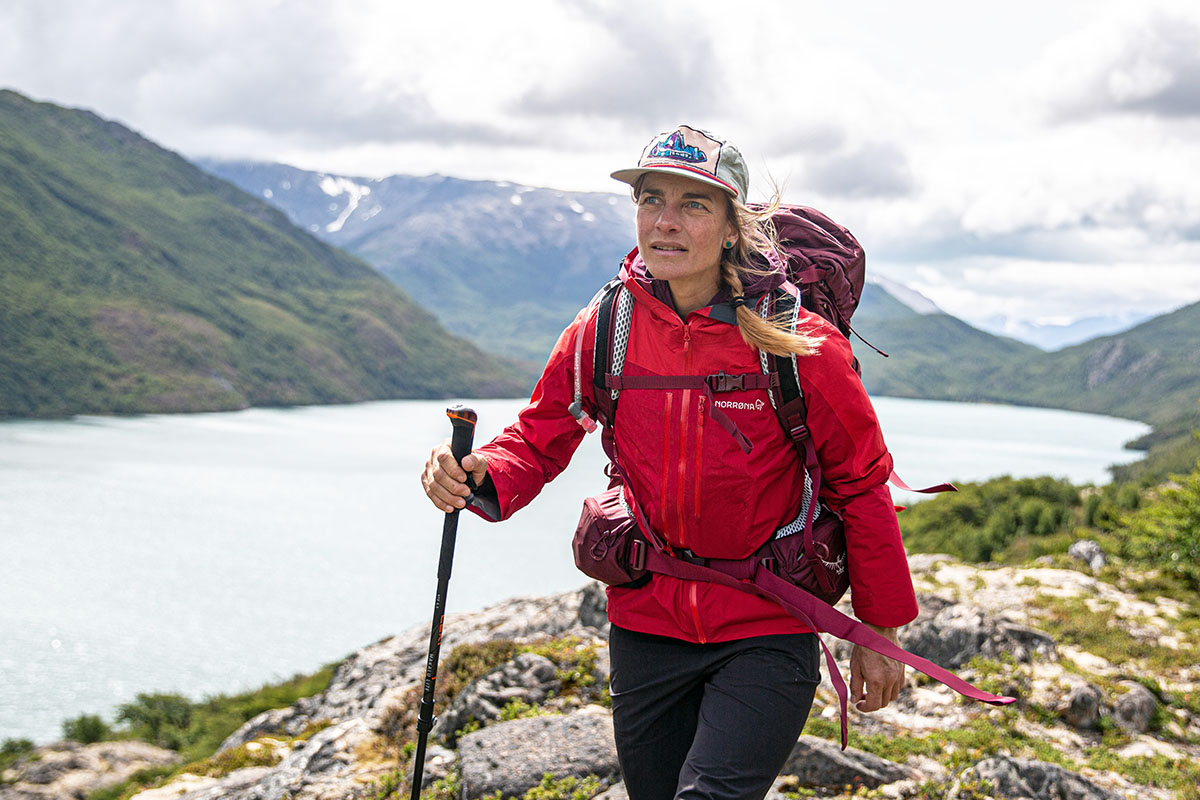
(131,281)
(1151,372)
(932,356)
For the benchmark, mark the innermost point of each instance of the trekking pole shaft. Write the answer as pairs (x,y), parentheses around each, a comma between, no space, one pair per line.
(463,419)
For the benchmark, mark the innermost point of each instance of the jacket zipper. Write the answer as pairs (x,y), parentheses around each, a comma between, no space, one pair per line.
(685,410)
(668,401)
(692,588)
(698,467)
(684,413)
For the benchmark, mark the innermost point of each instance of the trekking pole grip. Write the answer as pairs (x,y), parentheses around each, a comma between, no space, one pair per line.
(463,419)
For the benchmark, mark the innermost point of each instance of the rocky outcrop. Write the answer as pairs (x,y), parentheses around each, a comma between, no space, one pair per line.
(958,632)
(512,757)
(1089,552)
(821,763)
(1067,695)
(1083,706)
(528,678)
(1025,779)
(374,678)
(1135,707)
(71,770)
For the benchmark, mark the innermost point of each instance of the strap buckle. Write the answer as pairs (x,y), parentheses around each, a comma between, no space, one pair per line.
(637,554)
(724,382)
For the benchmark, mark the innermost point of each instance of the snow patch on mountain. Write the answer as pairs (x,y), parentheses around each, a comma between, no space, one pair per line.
(336,186)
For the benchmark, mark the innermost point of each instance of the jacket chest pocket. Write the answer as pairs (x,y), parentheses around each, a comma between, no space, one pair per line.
(690,476)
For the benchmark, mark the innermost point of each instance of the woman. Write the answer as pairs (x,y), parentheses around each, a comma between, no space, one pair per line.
(710,686)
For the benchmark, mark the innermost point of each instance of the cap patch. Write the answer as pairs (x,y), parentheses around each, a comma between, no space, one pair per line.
(687,145)
(674,147)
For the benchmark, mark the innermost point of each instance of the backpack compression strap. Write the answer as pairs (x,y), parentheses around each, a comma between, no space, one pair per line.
(757,579)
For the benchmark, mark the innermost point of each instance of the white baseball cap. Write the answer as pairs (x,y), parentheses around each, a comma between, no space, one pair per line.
(695,154)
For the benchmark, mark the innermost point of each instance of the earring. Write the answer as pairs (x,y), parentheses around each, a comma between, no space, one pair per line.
(729,245)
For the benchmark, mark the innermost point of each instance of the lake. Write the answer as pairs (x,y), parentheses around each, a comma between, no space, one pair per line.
(213,553)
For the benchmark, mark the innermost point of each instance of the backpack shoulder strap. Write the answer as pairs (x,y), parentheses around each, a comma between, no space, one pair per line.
(602,305)
(787,398)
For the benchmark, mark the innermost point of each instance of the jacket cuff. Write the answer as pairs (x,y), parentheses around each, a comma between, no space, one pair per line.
(486,501)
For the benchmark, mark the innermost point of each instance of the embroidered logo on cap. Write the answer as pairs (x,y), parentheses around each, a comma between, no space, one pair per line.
(686,145)
(674,147)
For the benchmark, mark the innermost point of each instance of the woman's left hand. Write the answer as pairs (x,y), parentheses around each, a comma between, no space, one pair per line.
(883,676)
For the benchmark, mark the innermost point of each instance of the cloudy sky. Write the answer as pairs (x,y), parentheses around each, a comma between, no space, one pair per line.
(1039,160)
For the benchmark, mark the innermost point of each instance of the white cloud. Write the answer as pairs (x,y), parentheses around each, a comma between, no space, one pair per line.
(982,140)
(1054,291)
(1143,60)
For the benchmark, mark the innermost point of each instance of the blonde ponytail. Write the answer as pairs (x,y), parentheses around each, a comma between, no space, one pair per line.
(756,239)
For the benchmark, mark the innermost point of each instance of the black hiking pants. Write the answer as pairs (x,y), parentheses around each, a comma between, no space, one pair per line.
(713,720)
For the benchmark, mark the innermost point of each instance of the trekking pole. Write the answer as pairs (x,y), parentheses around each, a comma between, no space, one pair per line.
(463,419)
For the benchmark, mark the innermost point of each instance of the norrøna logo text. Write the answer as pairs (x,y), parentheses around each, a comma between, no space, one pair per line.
(757,405)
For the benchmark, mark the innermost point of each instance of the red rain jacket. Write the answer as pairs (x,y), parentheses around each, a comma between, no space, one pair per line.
(694,483)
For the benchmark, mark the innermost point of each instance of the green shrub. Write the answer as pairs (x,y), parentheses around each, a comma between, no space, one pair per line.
(1165,531)
(995,520)
(86,729)
(158,718)
(11,750)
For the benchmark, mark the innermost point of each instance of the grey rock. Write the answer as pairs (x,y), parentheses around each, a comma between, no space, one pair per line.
(1026,779)
(1134,709)
(1082,706)
(1089,552)
(818,762)
(365,681)
(511,757)
(232,785)
(70,769)
(438,762)
(614,792)
(957,633)
(528,678)
(593,607)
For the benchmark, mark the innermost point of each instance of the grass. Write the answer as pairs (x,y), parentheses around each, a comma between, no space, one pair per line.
(1157,772)
(1070,620)
(197,729)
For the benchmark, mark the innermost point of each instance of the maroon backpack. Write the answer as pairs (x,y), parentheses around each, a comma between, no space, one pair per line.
(825,262)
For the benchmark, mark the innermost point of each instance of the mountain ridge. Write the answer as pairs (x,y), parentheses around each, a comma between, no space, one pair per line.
(932,354)
(132,281)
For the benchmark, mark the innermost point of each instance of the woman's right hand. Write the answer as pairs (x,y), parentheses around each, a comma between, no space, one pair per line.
(445,482)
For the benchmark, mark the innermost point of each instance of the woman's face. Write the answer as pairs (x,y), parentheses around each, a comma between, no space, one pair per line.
(682,226)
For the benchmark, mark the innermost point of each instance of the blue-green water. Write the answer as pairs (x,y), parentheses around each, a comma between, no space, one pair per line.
(215,552)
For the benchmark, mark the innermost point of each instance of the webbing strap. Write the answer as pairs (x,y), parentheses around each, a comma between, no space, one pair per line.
(818,616)
(707,384)
(896,481)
